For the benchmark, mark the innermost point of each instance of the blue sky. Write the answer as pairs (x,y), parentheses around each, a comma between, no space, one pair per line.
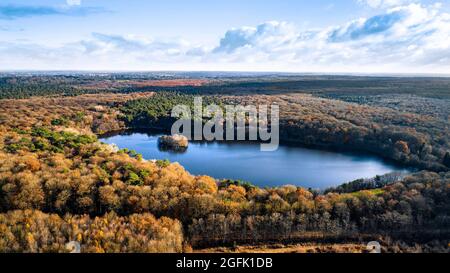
(257,35)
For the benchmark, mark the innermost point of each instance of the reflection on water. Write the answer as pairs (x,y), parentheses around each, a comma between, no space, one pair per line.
(244,161)
(166,149)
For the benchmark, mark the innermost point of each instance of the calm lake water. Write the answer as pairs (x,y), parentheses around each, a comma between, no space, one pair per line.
(299,166)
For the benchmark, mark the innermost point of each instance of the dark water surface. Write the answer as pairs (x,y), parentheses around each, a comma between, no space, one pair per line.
(299,166)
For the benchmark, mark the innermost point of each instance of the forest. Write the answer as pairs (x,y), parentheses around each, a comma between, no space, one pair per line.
(58,183)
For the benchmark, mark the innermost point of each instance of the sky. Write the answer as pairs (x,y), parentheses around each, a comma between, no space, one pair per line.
(345,36)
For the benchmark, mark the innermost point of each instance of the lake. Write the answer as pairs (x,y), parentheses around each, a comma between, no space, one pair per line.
(309,168)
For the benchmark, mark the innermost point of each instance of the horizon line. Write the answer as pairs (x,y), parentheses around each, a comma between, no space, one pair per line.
(113,71)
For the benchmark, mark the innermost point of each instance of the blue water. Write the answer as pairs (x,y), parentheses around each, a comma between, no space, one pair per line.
(299,166)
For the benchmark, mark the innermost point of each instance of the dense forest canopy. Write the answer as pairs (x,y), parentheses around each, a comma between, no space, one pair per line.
(353,88)
(58,183)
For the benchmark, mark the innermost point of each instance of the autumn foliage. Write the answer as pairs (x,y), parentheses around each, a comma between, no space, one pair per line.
(58,183)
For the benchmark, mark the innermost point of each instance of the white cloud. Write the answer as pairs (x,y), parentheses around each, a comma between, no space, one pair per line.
(407,38)
(73,2)
(267,34)
(411,38)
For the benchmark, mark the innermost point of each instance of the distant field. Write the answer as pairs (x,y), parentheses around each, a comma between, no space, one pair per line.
(349,88)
